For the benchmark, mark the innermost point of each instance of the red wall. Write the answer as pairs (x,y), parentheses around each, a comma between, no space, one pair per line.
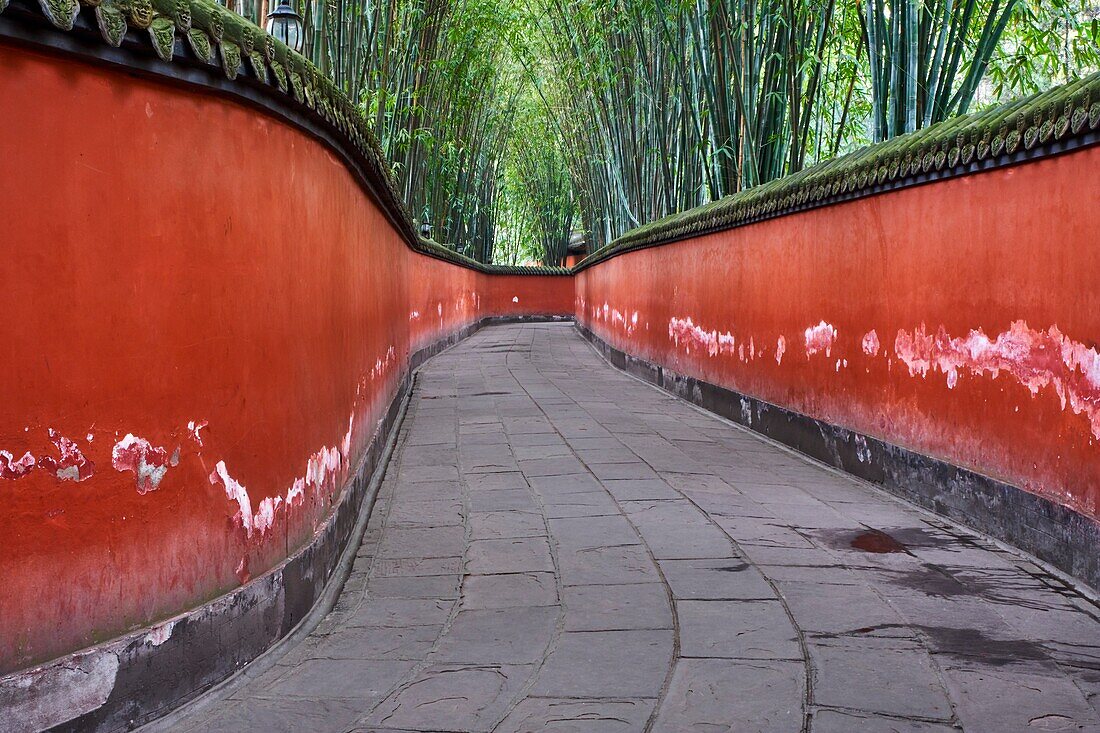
(964,260)
(171,257)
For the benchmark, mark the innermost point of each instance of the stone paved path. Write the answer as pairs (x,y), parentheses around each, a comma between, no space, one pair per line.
(558,547)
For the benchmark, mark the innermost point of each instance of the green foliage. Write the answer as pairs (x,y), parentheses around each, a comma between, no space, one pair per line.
(1047,42)
(510,124)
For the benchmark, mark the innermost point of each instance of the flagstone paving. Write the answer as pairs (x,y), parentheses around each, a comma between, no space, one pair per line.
(559,547)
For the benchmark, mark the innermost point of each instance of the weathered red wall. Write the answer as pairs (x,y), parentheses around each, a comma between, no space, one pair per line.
(1013,246)
(174,258)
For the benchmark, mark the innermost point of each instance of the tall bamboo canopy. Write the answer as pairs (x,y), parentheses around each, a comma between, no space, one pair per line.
(514,125)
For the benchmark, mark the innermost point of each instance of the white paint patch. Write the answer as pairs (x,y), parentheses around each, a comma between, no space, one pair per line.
(1036,359)
(235,492)
(871,344)
(684,333)
(324,470)
(48,696)
(12,468)
(820,338)
(160,634)
(193,428)
(863,453)
(515,298)
(149,463)
(780,349)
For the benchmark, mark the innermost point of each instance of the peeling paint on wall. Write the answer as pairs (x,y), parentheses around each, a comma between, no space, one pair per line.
(323,473)
(684,333)
(12,468)
(871,344)
(149,463)
(69,465)
(160,633)
(72,465)
(1035,359)
(621,320)
(193,428)
(820,338)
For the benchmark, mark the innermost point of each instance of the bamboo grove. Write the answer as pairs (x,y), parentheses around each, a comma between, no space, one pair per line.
(513,124)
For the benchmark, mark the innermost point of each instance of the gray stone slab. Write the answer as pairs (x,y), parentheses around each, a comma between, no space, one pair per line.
(736,630)
(558,715)
(509,590)
(516,635)
(677,530)
(399,542)
(763,531)
(608,566)
(279,715)
(552,487)
(634,489)
(621,455)
(496,481)
(503,500)
(468,697)
(514,555)
(415,586)
(581,504)
(418,474)
(550,450)
(387,567)
(606,664)
(585,533)
(429,491)
(376,642)
(724,579)
(878,678)
(835,721)
(432,513)
(400,612)
(614,607)
(637,470)
(519,440)
(558,466)
(359,679)
(506,525)
(836,608)
(739,697)
(991,699)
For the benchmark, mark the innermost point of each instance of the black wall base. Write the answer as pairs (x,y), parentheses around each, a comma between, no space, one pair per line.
(1049,531)
(136,678)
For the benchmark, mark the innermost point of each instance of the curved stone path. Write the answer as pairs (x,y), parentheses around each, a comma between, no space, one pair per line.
(559,547)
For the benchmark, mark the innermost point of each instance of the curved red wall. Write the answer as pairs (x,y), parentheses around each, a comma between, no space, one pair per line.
(981,292)
(173,259)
